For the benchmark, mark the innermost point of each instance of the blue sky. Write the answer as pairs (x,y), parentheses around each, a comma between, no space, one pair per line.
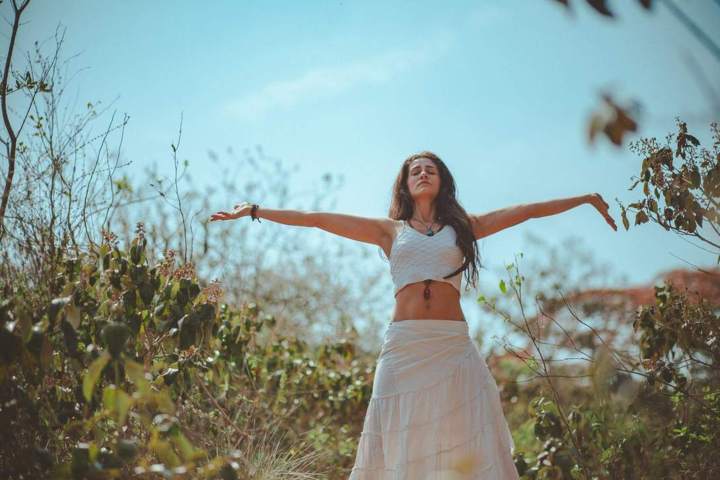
(501,90)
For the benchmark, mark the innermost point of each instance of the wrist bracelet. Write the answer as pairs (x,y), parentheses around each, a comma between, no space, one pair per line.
(253,211)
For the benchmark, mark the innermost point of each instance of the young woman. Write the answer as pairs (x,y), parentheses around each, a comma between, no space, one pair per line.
(435,408)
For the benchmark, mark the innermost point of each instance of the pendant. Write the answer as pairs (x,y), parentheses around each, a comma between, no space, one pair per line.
(426,292)
(429,232)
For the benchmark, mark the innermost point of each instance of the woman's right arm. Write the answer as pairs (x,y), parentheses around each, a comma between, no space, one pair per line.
(377,231)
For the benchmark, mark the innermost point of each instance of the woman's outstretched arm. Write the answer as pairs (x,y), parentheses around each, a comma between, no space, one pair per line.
(363,229)
(497,220)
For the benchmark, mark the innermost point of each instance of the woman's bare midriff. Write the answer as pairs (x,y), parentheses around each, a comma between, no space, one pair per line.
(444,302)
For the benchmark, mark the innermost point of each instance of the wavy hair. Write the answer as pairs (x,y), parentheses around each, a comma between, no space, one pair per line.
(447,209)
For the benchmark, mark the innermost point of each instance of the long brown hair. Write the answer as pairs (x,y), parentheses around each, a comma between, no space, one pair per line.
(447,209)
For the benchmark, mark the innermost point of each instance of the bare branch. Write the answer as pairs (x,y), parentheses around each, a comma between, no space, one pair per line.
(6,117)
(701,36)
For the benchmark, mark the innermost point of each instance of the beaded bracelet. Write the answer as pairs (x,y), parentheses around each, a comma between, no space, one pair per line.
(254,208)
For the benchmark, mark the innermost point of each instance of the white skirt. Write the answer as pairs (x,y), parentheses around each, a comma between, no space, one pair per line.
(435,410)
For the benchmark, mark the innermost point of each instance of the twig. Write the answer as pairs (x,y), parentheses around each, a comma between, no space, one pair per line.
(220,408)
(701,36)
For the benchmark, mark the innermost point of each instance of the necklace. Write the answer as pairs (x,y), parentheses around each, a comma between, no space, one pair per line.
(429,231)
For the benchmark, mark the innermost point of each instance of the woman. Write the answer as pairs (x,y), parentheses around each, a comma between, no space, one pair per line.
(435,408)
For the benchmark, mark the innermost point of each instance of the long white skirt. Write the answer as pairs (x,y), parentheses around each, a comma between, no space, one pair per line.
(435,410)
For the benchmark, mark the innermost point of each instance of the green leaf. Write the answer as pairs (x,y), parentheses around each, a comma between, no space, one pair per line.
(502,286)
(532,363)
(72,314)
(163,401)
(117,401)
(163,449)
(115,335)
(57,305)
(93,451)
(186,449)
(136,373)
(93,374)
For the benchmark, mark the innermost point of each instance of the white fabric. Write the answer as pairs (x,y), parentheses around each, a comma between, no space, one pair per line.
(435,410)
(415,257)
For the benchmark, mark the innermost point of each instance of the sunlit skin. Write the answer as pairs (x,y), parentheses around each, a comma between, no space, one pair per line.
(444,303)
(423,183)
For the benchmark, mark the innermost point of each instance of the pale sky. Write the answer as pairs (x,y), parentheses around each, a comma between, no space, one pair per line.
(500,90)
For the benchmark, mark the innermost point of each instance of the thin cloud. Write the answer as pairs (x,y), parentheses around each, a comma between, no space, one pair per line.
(332,80)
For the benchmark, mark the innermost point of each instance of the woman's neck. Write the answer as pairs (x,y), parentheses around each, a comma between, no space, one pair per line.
(424,211)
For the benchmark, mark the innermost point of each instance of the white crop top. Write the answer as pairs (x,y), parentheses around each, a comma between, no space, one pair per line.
(415,257)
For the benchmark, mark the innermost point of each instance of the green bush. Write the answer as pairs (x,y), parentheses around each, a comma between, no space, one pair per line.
(134,368)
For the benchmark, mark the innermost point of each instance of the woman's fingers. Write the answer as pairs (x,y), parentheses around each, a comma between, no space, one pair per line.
(236,213)
(610,220)
(612,223)
(221,216)
(603,208)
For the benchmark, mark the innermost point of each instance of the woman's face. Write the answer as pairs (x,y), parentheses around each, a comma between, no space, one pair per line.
(423,178)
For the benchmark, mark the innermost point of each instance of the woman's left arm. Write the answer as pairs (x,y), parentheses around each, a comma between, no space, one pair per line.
(495,221)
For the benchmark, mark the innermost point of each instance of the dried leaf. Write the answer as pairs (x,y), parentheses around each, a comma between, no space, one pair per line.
(596,125)
(641,217)
(612,120)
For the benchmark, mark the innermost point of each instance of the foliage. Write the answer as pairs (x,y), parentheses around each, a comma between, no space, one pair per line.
(681,185)
(669,428)
(650,408)
(116,362)
(136,368)
(654,417)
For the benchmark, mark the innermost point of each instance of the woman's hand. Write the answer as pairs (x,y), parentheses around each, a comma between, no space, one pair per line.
(596,200)
(240,210)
